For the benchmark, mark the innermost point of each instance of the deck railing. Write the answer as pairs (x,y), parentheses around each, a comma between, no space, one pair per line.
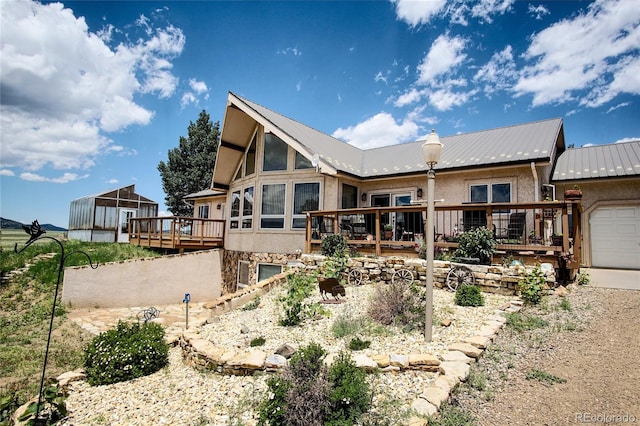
(545,231)
(173,232)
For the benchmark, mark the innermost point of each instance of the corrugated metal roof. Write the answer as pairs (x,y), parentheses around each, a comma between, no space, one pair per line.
(513,144)
(205,193)
(599,161)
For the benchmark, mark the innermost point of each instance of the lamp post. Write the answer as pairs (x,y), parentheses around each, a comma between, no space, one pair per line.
(431,150)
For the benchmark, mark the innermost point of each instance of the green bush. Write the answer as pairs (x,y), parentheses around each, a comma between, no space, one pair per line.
(531,287)
(357,344)
(307,393)
(295,306)
(350,396)
(258,341)
(469,295)
(334,245)
(126,352)
(478,242)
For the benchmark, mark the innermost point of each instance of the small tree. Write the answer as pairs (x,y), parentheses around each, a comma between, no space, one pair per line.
(189,168)
(478,242)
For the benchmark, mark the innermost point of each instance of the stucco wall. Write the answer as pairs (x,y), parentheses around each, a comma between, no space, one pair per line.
(145,282)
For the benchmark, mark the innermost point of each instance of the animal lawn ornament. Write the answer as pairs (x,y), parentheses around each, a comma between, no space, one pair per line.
(331,286)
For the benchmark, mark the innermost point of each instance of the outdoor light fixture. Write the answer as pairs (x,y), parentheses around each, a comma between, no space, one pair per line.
(431,150)
(419,192)
(364,196)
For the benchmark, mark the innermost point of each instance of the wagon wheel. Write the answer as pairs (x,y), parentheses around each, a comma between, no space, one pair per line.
(354,277)
(460,275)
(402,276)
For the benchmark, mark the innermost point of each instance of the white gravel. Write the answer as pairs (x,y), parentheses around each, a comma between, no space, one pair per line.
(180,395)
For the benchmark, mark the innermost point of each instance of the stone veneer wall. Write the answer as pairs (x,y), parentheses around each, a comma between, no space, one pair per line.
(230,259)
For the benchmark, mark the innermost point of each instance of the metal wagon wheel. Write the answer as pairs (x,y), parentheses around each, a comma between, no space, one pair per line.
(460,275)
(402,276)
(354,277)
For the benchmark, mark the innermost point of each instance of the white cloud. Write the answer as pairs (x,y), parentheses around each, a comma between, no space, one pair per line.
(417,12)
(620,105)
(379,130)
(380,77)
(65,178)
(623,140)
(112,181)
(411,96)
(188,98)
(498,74)
(596,50)
(198,86)
(6,172)
(486,8)
(445,54)
(63,88)
(289,51)
(298,86)
(538,11)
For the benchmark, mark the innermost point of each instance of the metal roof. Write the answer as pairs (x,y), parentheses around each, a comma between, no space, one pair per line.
(599,161)
(205,193)
(536,141)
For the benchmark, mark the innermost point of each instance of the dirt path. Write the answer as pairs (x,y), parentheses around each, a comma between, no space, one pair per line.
(590,344)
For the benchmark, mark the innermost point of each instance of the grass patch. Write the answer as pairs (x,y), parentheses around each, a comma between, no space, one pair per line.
(543,376)
(453,416)
(523,322)
(565,305)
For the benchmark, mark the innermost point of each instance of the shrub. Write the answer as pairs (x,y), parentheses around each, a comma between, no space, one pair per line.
(296,307)
(126,352)
(350,396)
(334,245)
(52,409)
(583,278)
(469,295)
(531,287)
(357,344)
(252,305)
(478,242)
(346,326)
(258,341)
(398,303)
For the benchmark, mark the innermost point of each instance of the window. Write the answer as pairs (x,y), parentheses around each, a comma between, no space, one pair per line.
(267,270)
(302,162)
(500,193)
(243,273)
(349,196)
(203,211)
(235,209)
(275,153)
(250,162)
(273,203)
(242,204)
(247,208)
(306,197)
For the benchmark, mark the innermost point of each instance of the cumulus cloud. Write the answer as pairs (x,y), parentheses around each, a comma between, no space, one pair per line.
(538,12)
(417,12)
(6,172)
(445,53)
(64,88)
(485,9)
(597,51)
(498,74)
(65,178)
(379,130)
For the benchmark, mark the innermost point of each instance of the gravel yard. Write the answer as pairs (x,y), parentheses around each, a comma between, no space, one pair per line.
(180,395)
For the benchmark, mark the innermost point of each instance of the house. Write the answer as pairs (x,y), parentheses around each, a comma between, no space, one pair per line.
(105,217)
(609,177)
(274,170)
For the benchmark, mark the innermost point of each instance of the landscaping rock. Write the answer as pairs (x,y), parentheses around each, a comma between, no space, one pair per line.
(466,348)
(401,361)
(275,361)
(435,395)
(286,350)
(424,407)
(459,370)
(456,356)
(479,341)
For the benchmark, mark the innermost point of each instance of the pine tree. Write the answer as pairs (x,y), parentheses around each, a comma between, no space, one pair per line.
(189,168)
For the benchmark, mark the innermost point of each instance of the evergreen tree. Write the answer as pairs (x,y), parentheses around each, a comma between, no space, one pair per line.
(190,165)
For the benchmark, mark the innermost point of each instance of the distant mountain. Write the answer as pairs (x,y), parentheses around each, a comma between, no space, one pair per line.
(12,224)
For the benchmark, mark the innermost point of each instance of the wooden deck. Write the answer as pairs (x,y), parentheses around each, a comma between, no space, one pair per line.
(532,232)
(180,233)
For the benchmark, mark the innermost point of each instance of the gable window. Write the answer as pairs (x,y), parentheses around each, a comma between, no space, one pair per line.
(490,193)
(267,270)
(349,196)
(273,204)
(306,197)
(241,201)
(302,162)
(275,153)
(250,162)
(203,211)
(247,208)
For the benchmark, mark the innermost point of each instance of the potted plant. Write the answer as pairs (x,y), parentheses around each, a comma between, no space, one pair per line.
(573,194)
(388,231)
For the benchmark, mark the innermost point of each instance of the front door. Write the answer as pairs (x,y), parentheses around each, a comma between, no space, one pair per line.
(123,224)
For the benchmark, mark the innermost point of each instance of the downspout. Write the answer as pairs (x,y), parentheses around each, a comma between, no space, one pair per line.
(536,197)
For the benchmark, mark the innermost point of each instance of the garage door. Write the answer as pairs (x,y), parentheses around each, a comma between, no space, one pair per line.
(615,237)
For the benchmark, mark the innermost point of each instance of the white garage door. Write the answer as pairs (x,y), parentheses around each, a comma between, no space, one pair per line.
(615,237)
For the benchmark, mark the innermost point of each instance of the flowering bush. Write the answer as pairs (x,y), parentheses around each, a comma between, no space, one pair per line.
(126,352)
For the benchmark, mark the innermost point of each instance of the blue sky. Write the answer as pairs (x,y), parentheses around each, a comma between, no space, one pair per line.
(94,94)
